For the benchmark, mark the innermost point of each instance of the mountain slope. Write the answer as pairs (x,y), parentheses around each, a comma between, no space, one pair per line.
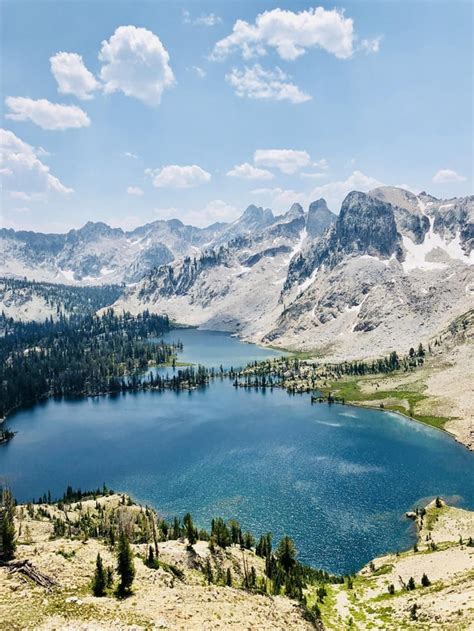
(382,278)
(392,269)
(231,287)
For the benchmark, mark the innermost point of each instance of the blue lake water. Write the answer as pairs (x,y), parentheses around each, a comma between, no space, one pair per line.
(337,479)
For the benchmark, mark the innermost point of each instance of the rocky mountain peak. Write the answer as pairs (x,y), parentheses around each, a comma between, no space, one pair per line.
(296,211)
(366,225)
(93,230)
(319,218)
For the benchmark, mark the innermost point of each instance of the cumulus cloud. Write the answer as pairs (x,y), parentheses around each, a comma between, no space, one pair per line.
(261,84)
(247,171)
(280,199)
(134,190)
(288,161)
(175,176)
(334,192)
(290,34)
(46,114)
(136,63)
(446,176)
(25,176)
(72,76)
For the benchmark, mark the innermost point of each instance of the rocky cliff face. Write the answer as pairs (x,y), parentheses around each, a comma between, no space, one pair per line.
(319,218)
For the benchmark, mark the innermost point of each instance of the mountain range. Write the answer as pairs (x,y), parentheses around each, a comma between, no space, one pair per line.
(391,269)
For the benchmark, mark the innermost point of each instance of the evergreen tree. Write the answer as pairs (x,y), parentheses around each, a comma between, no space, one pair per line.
(286,554)
(228,579)
(100,578)
(7,525)
(125,564)
(208,572)
(425,581)
(411,583)
(191,533)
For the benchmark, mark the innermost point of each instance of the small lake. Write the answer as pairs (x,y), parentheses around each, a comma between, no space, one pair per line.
(337,479)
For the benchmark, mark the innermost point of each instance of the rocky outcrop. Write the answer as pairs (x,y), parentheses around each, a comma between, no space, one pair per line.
(319,218)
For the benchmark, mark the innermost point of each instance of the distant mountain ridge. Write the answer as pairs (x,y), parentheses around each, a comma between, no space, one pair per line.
(99,254)
(392,268)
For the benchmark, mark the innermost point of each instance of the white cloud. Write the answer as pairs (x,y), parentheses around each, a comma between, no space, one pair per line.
(46,114)
(72,76)
(24,173)
(258,83)
(128,154)
(136,63)
(248,172)
(213,211)
(28,197)
(290,34)
(445,176)
(175,176)
(288,161)
(199,71)
(134,190)
(313,176)
(280,199)
(217,210)
(210,19)
(334,192)
(371,45)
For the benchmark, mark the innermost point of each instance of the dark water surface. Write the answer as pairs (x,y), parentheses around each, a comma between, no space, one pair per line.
(337,479)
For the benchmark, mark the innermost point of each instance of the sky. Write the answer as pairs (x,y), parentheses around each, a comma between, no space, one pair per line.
(129,112)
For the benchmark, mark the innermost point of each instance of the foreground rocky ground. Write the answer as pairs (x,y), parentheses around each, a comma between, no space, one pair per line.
(164,598)
(160,599)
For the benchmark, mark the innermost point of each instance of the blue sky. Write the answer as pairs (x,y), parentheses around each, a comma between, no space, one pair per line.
(194,110)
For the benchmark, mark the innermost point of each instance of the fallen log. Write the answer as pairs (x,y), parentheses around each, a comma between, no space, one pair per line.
(27,569)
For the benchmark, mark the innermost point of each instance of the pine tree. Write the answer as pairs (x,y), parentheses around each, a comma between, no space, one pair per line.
(191,533)
(125,565)
(7,525)
(425,581)
(208,572)
(411,583)
(100,578)
(228,579)
(286,554)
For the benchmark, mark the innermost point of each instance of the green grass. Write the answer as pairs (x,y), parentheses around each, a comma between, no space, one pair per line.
(350,390)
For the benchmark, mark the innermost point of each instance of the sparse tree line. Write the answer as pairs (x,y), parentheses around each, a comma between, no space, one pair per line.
(298,375)
(127,524)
